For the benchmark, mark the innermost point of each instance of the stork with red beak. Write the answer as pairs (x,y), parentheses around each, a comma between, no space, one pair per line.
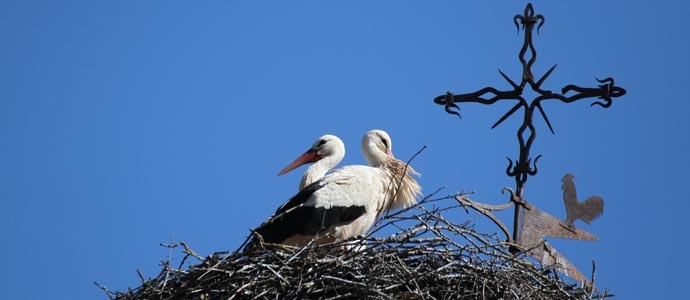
(324,154)
(346,202)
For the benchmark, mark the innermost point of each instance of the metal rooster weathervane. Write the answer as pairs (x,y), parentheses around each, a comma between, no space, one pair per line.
(531,225)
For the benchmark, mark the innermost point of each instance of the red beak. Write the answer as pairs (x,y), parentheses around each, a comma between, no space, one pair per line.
(308,157)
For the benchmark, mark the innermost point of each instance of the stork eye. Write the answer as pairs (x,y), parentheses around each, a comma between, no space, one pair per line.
(322,142)
(385,143)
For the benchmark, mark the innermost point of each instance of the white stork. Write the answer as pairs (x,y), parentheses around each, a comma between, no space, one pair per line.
(325,154)
(346,202)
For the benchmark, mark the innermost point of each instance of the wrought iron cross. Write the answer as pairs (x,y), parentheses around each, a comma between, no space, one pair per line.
(537,223)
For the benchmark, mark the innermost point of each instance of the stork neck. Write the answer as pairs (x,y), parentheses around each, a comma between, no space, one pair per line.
(317,170)
(374,156)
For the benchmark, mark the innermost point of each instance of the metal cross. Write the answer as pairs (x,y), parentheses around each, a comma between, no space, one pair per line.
(530,227)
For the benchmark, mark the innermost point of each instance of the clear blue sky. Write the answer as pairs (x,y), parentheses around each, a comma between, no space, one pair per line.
(124,124)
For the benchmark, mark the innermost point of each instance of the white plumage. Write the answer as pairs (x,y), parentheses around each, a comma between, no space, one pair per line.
(346,202)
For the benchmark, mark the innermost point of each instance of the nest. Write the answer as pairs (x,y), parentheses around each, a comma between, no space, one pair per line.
(427,257)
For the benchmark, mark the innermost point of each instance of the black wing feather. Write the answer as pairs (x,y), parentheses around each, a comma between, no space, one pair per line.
(300,198)
(307,220)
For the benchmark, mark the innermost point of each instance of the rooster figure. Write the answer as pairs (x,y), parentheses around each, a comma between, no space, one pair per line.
(587,211)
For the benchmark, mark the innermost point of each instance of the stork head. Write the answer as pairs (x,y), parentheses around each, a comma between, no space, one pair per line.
(326,146)
(377,147)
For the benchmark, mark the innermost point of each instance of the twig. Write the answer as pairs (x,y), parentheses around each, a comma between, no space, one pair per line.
(105,289)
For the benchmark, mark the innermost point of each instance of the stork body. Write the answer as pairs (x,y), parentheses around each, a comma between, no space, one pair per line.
(345,202)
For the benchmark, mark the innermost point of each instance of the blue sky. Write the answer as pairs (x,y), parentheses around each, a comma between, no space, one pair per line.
(124,124)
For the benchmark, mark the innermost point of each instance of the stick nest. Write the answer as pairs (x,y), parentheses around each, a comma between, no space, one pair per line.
(427,257)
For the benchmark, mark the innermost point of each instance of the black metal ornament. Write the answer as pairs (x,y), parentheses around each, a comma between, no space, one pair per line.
(530,224)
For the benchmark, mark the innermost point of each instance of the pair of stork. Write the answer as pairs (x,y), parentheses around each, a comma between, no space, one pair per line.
(344,203)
